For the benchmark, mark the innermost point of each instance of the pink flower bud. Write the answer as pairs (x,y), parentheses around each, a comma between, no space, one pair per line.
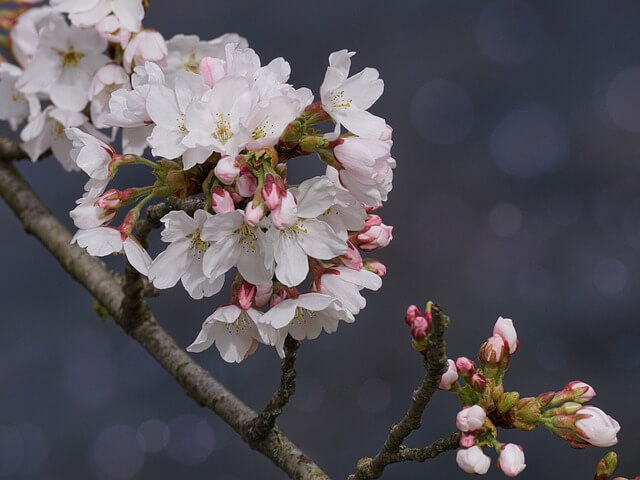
(212,69)
(112,199)
(478,382)
(465,366)
(467,440)
(596,427)
(492,350)
(273,191)
(450,377)
(473,460)
(263,294)
(227,170)
(504,328)
(373,221)
(253,213)
(286,214)
(277,297)
(221,201)
(374,237)
(247,183)
(246,295)
(470,419)
(580,391)
(375,266)
(352,258)
(420,328)
(412,313)
(511,459)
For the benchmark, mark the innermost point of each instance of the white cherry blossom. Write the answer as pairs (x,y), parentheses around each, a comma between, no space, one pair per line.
(236,333)
(15,106)
(347,99)
(234,243)
(182,260)
(103,241)
(185,52)
(87,13)
(344,284)
(66,59)
(108,79)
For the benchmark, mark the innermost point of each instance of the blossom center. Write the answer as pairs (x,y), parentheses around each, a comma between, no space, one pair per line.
(247,238)
(242,323)
(338,102)
(197,245)
(71,58)
(222,131)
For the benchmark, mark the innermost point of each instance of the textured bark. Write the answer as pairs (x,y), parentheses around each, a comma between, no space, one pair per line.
(435,364)
(133,315)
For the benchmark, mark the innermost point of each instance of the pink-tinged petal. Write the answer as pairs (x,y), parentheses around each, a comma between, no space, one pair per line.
(362,123)
(364,88)
(137,256)
(292,265)
(319,240)
(281,315)
(171,265)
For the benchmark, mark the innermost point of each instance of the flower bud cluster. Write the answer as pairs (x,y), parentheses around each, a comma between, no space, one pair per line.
(487,406)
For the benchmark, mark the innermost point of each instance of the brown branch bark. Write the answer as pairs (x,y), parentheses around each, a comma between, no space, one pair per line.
(133,315)
(435,364)
(266,419)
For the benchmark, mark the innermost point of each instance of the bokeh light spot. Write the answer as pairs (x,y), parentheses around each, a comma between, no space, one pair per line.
(505,219)
(118,453)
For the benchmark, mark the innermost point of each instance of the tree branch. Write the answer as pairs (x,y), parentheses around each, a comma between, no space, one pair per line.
(11,151)
(266,419)
(436,364)
(442,445)
(136,319)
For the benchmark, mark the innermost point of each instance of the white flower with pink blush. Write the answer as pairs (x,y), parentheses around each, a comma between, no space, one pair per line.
(182,259)
(87,13)
(108,79)
(64,64)
(303,234)
(345,284)
(145,46)
(347,99)
(504,327)
(470,419)
(596,427)
(450,377)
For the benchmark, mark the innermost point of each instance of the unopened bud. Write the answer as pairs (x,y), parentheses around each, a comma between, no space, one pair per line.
(450,377)
(507,401)
(478,382)
(467,440)
(528,413)
(253,213)
(492,351)
(412,313)
(606,466)
(247,183)
(466,367)
(375,266)
(273,191)
(420,328)
(221,200)
(246,295)
(227,170)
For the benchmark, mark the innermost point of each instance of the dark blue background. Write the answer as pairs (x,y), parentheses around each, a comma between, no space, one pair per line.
(517,134)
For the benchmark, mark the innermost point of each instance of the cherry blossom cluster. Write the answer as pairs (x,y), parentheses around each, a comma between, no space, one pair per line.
(487,406)
(221,128)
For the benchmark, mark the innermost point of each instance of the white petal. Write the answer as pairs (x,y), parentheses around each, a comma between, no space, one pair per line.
(170,265)
(220,257)
(315,196)
(320,241)
(292,265)
(177,225)
(219,227)
(137,256)
(281,315)
(198,285)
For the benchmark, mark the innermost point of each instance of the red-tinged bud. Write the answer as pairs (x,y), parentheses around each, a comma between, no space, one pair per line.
(375,266)
(212,69)
(374,237)
(420,328)
(466,367)
(352,258)
(528,413)
(253,213)
(273,191)
(478,382)
(227,169)
(126,227)
(221,200)
(114,199)
(373,221)
(575,391)
(263,294)
(606,466)
(247,183)
(412,313)
(246,295)
(467,440)
(546,398)
(507,401)
(278,296)
(492,351)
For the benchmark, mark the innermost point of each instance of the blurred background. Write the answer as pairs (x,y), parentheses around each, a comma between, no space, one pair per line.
(517,193)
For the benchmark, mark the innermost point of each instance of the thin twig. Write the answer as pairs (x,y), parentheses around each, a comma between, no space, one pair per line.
(435,364)
(101,284)
(266,419)
(442,445)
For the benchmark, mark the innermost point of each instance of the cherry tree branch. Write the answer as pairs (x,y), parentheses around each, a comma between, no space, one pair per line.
(435,364)
(266,419)
(131,313)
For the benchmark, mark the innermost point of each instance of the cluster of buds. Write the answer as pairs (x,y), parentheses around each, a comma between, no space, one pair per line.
(487,406)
